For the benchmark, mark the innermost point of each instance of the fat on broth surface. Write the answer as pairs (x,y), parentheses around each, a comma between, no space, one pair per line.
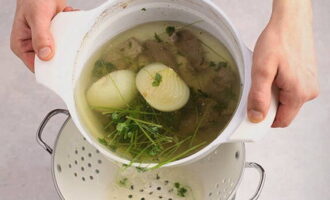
(198,58)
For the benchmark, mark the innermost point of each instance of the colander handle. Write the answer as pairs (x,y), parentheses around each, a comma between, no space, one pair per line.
(43,124)
(262,173)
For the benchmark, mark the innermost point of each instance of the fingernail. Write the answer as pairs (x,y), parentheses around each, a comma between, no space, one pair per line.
(255,116)
(44,52)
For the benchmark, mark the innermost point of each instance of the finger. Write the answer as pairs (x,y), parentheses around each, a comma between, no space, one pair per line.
(42,39)
(68,9)
(263,74)
(28,59)
(290,104)
(285,115)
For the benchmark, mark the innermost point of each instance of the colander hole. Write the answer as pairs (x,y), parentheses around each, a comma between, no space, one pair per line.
(160,197)
(82,169)
(141,190)
(130,196)
(76,162)
(89,165)
(84,138)
(166,182)
(150,193)
(217,186)
(83,178)
(132,187)
(159,188)
(99,161)
(210,194)
(97,171)
(83,148)
(142,198)
(75,174)
(70,166)
(82,158)
(76,151)
(97,151)
(59,168)
(89,155)
(91,177)
(237,155)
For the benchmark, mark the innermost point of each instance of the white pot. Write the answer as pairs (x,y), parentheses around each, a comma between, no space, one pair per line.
(79,34)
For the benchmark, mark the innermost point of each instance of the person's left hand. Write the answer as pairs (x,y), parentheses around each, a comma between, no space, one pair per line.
(284,56)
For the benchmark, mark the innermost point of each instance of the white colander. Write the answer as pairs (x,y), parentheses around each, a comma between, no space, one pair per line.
(81,172)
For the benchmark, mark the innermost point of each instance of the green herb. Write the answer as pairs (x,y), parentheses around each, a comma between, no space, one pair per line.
(181,191)
(220,65)
(157,38)
(103,141)
(202,94)
(141,169)
(143,9)
(102,68)
(170,30)
(123,182)
(157,80)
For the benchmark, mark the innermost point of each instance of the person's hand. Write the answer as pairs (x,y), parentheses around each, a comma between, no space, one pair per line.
(284,56)
(31,29)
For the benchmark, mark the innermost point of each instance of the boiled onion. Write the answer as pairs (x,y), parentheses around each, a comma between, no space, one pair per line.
(162,87)
(114,91)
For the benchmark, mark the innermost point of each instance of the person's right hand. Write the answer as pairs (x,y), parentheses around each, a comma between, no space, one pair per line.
(31,29)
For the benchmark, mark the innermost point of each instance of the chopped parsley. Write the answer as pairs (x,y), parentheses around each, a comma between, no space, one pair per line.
(170,30)
(157,80)
(123,182)
(157,38)
(181,191)
(102,68)
(218,66)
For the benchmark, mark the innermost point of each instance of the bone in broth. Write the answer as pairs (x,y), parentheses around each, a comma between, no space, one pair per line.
(158,92)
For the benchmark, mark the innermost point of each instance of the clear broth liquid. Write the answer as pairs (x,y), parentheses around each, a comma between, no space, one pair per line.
(215,89)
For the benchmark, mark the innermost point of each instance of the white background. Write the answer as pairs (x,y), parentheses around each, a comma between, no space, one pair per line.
(296,159)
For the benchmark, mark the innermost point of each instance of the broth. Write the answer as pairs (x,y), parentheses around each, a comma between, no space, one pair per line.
(140,131)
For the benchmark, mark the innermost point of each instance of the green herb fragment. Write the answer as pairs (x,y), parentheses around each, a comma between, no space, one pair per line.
(181,191)
(157,38)
(202,94)
(170,30)
(157,80)
(123,182)
(102,68)
(141,169)
(143,9)
(218,66)
(103,141)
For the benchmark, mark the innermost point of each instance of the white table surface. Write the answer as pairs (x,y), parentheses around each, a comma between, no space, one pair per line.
(296,159)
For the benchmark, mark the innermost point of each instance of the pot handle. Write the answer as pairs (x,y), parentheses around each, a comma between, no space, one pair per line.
(68,30)
(43,124)
(262,180)
(248,131)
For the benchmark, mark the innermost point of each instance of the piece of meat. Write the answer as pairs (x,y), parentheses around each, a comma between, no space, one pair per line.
(125,53)
(223,85)
(189,46)
(159,52)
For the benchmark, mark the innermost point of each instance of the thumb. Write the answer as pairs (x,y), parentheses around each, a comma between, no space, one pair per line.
(263,75)
(42,39)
